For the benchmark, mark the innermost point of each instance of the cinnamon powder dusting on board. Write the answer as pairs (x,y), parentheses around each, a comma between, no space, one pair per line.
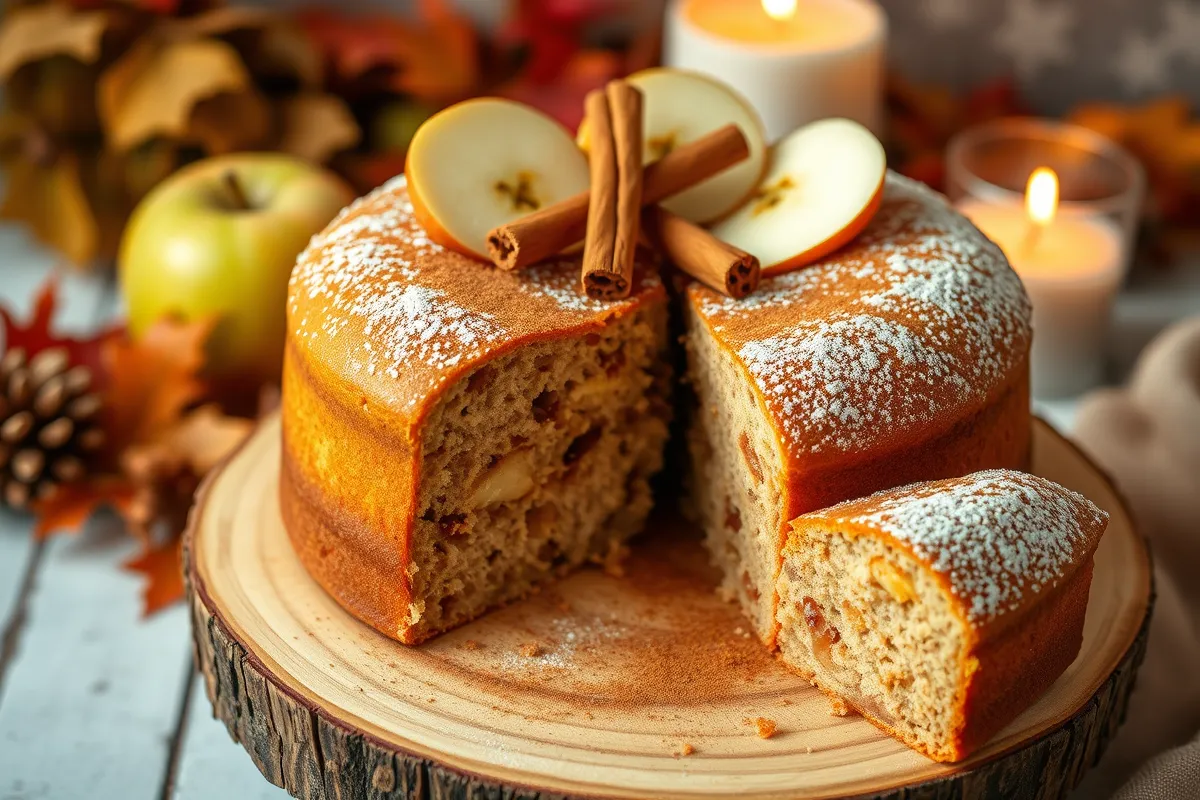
(658,636)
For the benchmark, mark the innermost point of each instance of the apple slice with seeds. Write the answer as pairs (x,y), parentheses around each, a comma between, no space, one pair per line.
(823,184)
(484,162)
(682,106)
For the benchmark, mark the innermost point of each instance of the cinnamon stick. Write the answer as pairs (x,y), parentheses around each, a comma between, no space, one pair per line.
(625,108)
(555,228)
(599,278)
(716,264)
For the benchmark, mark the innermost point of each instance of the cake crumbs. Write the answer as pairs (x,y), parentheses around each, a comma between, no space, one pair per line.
(685,750)
(471,644)
(764,727)
(613,560)
(530,650)
(839,707)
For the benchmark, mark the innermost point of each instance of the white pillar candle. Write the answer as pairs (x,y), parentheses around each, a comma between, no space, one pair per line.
(1071,269)
(794,61)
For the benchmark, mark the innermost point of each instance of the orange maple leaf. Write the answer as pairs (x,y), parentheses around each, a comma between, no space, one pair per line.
(72,505)
(162,572)
(152,380)
(433,57)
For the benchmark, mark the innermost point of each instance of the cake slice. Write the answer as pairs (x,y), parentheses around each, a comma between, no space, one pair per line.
(941,610)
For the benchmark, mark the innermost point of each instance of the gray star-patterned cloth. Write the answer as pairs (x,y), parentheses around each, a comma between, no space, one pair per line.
(1062,52)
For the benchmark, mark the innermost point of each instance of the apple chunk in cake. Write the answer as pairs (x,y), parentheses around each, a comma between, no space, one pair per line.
(536,462)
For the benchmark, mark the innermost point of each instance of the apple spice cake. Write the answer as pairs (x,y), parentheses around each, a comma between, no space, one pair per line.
(455,435)
(940,610)
(903,357)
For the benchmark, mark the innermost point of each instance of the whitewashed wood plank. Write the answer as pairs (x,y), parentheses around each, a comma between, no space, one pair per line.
(92,698)
(211,765)
(84,302)
(16,548)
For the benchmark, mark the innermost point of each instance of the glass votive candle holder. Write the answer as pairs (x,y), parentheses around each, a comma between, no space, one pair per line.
(1070,234)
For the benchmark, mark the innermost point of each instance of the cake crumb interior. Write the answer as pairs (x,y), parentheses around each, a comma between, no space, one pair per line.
(863,620)
(536,462)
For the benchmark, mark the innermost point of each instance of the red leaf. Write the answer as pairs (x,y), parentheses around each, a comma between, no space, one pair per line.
(563,98)
(35,335)
(70,506)
(160,567)
(550,32)
(432,57)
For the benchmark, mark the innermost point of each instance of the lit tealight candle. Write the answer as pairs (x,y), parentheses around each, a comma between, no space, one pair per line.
(794,61)
(1071,266)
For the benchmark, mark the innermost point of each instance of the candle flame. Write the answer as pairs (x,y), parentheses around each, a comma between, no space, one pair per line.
(780,10)
(1041,196)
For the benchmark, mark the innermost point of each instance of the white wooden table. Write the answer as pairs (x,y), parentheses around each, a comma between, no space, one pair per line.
(95,702)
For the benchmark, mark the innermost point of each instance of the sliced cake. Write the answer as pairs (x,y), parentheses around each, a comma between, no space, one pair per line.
(940,610)
(456,435)
(902,357)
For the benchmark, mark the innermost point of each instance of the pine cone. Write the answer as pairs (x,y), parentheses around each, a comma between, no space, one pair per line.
(49,424)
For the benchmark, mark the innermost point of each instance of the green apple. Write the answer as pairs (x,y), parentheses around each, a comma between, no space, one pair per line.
(218,239)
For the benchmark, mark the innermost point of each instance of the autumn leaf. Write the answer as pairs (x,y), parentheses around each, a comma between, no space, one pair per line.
(50,199)
(33,33)
(284,49)
(205,437)
(162,573)
(231,121)
(1165,138)
(440,60)
(153,6)
(549,33)
(36,334)
(563,99)
(314,126)
(152,89)
(152,380)
(72,505)
(433,57)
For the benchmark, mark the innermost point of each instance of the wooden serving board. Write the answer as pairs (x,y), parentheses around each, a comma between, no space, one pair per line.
(595,686)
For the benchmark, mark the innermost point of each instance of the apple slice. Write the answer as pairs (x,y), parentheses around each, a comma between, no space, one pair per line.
(823,184)
(680,107)
(485,162)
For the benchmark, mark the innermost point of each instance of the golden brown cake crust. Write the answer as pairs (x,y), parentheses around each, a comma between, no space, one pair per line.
(381,321)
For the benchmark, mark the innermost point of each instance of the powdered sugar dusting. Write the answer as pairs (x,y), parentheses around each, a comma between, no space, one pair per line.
(995,535)
(419,311)
(568,636)
(919,317)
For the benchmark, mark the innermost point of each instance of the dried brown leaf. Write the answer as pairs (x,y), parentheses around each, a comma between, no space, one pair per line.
(152,90)
(50,199)
(231,121)
(315,126)
(206,436)
(33,33)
